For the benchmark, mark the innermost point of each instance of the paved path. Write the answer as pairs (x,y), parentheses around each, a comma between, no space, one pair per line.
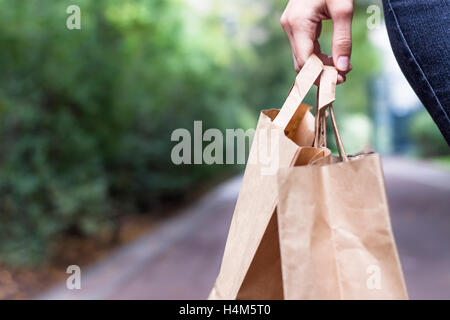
(181,259)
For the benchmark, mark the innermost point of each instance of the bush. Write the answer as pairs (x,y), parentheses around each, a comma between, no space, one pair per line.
(86,115)
(427,136)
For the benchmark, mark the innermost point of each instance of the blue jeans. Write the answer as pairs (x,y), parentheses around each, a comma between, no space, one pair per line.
(419,32)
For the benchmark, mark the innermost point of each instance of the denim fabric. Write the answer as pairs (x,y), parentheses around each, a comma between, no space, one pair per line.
(419,32)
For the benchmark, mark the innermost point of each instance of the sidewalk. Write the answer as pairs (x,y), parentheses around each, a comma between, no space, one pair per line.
(181,259)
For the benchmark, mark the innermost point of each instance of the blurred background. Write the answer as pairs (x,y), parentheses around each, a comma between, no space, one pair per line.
(86,117)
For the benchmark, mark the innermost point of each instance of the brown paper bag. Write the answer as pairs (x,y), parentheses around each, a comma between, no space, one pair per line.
(336,239)
(251,263)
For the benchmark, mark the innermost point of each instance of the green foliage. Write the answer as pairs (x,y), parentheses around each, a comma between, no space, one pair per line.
(427,136)
(86,115)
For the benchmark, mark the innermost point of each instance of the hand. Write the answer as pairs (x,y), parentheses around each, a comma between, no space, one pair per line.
(302,22)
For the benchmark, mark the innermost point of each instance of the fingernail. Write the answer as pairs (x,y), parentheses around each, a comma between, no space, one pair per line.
(342,63)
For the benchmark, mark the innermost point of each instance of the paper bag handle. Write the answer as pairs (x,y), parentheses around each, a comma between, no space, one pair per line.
(303,82)
(326,95)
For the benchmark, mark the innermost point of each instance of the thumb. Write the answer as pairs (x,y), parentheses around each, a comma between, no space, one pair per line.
(342,37)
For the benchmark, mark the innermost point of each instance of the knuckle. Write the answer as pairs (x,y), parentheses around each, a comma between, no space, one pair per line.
(344,9)
(283,21)
(300,23)
(292,21)
(343,42)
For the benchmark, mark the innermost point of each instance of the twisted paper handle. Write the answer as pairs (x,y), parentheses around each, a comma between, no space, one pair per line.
(326,94)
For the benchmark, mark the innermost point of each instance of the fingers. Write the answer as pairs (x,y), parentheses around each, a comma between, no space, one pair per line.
(301,21)
(287,30)
(340,78)
(296,66)
(342,13)
(304,37)
(302,33)
(328,61)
